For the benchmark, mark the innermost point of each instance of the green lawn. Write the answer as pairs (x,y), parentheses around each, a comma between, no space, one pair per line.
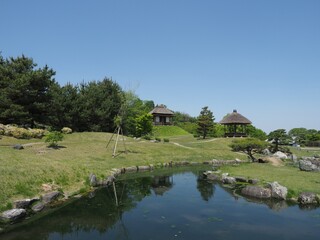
(22,172)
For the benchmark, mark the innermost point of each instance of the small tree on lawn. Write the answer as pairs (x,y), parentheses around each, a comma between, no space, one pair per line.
(249,146)
(53,138)
(205,122)
(277,136)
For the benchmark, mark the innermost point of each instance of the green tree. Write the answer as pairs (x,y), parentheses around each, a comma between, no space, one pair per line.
(99,103)
(144,125)
(24,91)
(53,138)
(249,146)
(256,132)
(278,137)
(133,108)
(205,122)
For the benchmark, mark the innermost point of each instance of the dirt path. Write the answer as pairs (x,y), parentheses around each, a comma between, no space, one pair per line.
(275,161)
(179,145)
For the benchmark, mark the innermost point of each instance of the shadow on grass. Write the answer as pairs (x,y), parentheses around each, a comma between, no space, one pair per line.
(56,147)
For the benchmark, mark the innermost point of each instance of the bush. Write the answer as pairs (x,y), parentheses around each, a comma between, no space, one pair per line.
(146,137)
(158,139)
(166,140)
(53,138)
(66,130)
(21,133)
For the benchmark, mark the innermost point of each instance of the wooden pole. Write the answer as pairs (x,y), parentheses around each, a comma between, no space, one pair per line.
(115,193)
(115,146)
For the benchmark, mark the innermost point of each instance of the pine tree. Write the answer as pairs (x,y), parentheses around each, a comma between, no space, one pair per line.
(205,122)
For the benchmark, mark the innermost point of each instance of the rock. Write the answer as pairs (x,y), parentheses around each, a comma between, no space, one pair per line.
(211,176)
(308,166)
(38,207)
(116,172)
(278,191)
(256,192)
(241,179)
(131,169)
(18,147)
(50,197)
(25,203)
(280,155)
(266,152)
(143,168)
(13,215)
(308,198)
(253,181)
(229,180)
(93,180)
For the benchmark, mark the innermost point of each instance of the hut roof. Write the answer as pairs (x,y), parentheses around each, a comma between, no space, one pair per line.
(235,118)
(161,109)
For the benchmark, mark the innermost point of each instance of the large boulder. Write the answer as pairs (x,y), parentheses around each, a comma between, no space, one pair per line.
(25,203)
(38,207)
(13,215)
(309,165)
(93,180)
(211,176)
(256,192)
(278,191)
(50,197)
(280,155)
(308,198)
(266,152)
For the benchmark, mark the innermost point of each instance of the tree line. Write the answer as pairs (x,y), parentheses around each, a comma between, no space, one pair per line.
(31,97)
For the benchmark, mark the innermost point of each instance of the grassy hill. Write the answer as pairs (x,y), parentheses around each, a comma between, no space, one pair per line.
(169,131)
(23,172)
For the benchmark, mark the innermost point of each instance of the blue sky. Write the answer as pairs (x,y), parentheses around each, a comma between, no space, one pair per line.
(261,57)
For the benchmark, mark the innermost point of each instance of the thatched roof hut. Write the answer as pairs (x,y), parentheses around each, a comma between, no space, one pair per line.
(233,121)
(162,115)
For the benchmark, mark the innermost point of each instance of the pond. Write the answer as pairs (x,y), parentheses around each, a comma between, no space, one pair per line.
(170,205)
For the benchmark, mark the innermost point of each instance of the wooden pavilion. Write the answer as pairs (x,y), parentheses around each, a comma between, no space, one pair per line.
(235,124)
(162,115)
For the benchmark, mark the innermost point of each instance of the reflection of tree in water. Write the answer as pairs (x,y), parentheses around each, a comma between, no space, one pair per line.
(205,187)
(92,214)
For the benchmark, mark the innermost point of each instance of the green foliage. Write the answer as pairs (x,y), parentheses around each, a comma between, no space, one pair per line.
(158,139)
(278,137)
(256,133)
(24,91)
(205,122)
(166,140)
(144,125)
(249,146)
(133,107)
(53,138)
(219,131)
(190,127)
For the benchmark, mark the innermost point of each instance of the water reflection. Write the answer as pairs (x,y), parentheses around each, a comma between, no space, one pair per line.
(164,207)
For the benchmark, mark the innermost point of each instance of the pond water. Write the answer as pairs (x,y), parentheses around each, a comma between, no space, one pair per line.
(164,205)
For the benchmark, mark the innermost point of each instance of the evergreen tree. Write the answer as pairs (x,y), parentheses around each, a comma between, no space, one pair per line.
(205,122)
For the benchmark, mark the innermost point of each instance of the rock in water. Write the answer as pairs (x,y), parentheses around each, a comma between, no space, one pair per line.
(256,192)
(50,197)
(278,191)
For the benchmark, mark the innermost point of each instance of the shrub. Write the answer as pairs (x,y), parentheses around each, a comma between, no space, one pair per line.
(146,137)
(166,140)
(53,138)
(66,130)
(158,139)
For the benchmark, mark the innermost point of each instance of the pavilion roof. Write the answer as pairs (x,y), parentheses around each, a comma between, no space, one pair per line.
(161,109)
(235,118)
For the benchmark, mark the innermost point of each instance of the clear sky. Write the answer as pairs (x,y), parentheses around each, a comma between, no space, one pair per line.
(261,57)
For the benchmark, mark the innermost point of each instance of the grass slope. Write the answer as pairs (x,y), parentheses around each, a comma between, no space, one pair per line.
(169,131)
(22,172)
